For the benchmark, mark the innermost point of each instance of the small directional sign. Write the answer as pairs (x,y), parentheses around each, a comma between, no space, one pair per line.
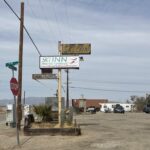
(11,65)
(44,76)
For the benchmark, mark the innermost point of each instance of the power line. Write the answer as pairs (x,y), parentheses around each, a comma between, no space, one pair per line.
(23,27)
(41,83)
(67,18)
(56,18)
(91,2)
(33,14)
(11,9)
(32,40)
(46,20)
(111,82)
(109,90)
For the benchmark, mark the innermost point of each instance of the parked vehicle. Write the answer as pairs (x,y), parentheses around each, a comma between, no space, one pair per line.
(28,119)
(110,106)
(146,108)
(92,110)
(119,109)
(107,110)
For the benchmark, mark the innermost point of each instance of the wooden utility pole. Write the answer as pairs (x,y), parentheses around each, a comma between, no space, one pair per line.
(59,89)
(19,109)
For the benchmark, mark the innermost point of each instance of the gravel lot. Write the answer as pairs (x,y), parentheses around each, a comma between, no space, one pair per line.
(2,117)
(101,131)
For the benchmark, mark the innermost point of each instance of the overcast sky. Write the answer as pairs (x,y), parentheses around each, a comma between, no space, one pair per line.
(119,32)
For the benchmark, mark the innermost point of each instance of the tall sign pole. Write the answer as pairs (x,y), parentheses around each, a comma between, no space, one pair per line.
(59,89)
(19,109)
(67,92)
(14,88)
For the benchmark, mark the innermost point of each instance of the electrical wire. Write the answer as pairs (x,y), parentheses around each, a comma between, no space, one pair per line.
(110,82)
(63,89)
(67,18)
(91,2)
(108,90)
(41,83)
(56,18)
(33,14)
(46,19)
(11,9)
(31,39)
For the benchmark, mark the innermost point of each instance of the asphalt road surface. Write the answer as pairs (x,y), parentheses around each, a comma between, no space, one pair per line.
(101,131)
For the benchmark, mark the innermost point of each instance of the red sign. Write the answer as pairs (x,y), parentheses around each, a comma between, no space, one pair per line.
(14,86)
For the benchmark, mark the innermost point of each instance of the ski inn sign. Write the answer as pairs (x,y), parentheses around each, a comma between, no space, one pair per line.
(59,62)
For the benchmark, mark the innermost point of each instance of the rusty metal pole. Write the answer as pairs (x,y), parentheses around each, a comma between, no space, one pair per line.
(59,90)
(19,109)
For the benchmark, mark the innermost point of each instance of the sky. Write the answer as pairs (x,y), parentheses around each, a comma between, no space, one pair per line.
(119,33)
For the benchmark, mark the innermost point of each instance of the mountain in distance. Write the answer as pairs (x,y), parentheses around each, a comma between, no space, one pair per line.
(3,102)
(28,100)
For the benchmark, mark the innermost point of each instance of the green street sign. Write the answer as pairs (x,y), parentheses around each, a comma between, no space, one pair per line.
(15,63)
(11,65)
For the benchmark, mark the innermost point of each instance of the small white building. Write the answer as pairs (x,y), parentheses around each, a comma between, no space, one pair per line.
(27,109)
(127,107)
(10,115)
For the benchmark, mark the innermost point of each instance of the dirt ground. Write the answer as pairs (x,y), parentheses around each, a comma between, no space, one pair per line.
(101,131)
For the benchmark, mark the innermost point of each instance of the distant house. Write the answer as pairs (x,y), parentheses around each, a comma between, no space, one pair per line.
(127,107)
(87,103)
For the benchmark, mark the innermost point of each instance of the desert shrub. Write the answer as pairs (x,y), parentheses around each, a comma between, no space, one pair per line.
(44,111)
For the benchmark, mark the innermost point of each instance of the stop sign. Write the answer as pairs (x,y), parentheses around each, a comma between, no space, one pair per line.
(14,86)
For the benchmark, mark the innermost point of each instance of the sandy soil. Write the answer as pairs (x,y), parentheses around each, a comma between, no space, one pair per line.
(101,131)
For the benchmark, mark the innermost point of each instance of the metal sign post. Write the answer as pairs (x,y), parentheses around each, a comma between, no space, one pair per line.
(14,88)
(17,129)
(68,58)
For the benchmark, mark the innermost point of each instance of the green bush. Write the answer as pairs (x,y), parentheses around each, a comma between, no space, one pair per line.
(43,111)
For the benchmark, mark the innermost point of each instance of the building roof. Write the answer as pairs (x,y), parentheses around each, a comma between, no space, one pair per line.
(89,102)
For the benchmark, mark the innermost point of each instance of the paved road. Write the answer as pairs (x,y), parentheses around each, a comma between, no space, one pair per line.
(101,131)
